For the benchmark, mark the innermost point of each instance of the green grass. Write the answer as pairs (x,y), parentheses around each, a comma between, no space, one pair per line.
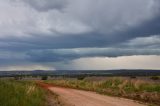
(20,93)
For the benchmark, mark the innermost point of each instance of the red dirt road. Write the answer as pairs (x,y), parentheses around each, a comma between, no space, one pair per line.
(74,97)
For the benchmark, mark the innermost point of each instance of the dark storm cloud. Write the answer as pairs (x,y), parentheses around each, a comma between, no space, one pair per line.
(63,30)
(70,54)
(146,29)
(92,39)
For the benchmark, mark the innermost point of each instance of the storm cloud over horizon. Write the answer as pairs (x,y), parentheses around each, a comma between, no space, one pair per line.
(64,34)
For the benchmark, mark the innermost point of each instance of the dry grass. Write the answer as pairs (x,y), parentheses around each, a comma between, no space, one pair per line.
(128,88)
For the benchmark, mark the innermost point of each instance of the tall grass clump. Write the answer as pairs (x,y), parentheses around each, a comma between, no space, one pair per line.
(20,93)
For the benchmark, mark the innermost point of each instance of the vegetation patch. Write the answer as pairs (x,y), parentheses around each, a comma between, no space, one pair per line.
(20,93)
(129,88)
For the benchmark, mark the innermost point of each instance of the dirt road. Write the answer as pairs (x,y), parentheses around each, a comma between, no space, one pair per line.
(74,97)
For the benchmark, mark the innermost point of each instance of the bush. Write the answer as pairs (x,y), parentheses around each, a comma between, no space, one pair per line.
(132,77)
(80,77)
(44,77)
(18,77)
(155,78)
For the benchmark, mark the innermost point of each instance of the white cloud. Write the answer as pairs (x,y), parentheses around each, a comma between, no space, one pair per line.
(26,67)
(144,41)
(124,62)
(16,19)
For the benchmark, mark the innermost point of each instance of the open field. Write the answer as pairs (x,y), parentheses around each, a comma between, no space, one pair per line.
(141,90)
(56,91)
(20,93)
(24,93)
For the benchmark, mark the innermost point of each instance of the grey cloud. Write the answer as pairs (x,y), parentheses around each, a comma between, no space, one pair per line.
(70,54)
(48,53)
(63,30)
(103,16)
(137,46)
(152,41)
(8,58)
(45,5)
(108,16)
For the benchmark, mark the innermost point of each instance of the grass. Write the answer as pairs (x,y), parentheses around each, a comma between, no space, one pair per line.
(20,93)
(129,88)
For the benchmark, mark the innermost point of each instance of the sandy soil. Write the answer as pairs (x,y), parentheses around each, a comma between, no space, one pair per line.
(73,97)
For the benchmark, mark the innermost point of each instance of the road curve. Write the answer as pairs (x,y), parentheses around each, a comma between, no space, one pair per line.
(75,97)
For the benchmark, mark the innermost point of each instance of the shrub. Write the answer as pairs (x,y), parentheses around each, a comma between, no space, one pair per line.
(80,77)
(155,78)
(18,77)
(132,77)
(44,77)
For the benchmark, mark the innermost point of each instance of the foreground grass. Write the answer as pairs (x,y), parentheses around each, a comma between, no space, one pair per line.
(134,89)
(20,93)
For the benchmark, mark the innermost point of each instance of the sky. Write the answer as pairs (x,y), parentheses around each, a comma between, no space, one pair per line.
(79,34)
